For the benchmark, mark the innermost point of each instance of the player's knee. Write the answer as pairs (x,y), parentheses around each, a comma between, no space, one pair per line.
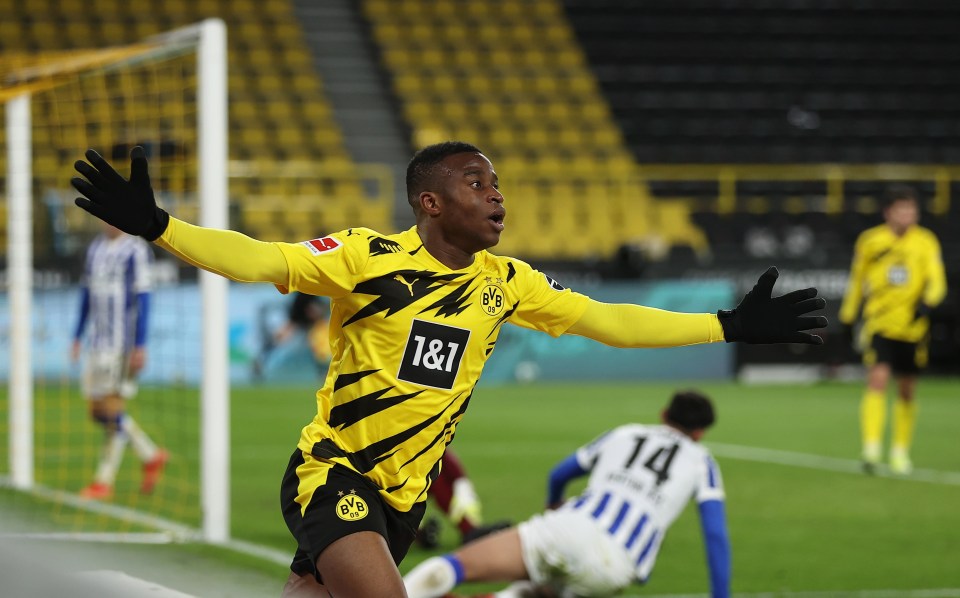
(108,420)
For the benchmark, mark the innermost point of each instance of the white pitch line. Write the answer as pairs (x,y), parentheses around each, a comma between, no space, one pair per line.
(177,531)
(822,463)
(104,537)
(928,593)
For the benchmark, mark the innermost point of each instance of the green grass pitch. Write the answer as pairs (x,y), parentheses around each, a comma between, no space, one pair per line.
(815,525)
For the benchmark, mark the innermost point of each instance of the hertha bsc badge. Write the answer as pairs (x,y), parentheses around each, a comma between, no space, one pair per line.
(351,508)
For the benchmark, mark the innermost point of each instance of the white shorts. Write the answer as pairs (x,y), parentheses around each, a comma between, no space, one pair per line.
(108,374)
(573,555)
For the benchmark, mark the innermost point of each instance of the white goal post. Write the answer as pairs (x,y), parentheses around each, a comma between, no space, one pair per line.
(209,40)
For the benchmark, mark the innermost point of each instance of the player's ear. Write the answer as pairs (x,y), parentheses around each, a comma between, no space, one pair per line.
(430,203)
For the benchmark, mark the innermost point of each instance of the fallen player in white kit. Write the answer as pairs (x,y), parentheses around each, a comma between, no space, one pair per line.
(601,541)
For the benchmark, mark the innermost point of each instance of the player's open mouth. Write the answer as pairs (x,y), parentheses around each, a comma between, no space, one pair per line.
(497,220)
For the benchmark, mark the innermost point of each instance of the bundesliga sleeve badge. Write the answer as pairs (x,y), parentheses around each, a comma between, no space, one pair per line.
(322,245)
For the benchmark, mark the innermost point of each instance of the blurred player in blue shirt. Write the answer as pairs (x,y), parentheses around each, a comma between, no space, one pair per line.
(114,307)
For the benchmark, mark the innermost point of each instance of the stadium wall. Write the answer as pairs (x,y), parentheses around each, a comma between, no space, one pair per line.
(174,346)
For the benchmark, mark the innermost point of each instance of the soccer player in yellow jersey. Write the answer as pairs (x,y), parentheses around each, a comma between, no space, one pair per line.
(897,275)
(414,316)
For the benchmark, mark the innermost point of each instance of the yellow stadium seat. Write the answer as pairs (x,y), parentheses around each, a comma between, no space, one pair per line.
(400,59)
(259,218)
(377,9)
(408,85)
(246,8)
(561,112)
(269,83)
(570,137)
(546,85)
(306,83)
(315,110)
(280,111)
(244,111)
(595,112)
(443,85)
(536,137)
(606,137)
(455,111)
(387,34)
(502,58)
(431,58)
(558,34)
(480,86)
(419,111)
(526,112)
(490,111)
(143,29)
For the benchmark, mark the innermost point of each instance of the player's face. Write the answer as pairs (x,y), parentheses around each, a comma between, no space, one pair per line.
(901,215)
(473,205)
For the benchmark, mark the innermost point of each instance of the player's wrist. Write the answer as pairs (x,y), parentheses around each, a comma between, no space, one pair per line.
(159,221)
(730,323)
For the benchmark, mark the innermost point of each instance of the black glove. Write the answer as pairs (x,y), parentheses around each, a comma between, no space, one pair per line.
(923,310)
(127,205)
(760,319)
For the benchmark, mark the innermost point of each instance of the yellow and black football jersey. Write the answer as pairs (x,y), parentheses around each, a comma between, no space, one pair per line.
(409,338)
(891,275)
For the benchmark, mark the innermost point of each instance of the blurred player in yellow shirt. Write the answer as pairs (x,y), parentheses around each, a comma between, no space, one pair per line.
(898,277)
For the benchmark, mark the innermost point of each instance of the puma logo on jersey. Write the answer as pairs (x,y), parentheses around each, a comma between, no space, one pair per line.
(381,246)
(399,278)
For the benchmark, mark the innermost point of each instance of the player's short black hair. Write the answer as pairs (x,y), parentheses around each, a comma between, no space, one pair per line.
(898,192)
(690,410)
(422,166)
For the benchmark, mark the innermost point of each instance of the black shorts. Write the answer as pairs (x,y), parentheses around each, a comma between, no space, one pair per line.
(903,357)
(339,502)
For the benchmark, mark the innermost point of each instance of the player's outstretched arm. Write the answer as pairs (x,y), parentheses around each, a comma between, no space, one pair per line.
(759,318)
(130,206)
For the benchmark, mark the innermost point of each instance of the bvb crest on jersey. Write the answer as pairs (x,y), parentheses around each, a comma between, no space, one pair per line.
(491,300)
(351,508)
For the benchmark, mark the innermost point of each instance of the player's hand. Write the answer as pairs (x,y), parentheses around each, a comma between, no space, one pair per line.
(760,318)
(138,358)
(75,351)
(922,311)
(127,205)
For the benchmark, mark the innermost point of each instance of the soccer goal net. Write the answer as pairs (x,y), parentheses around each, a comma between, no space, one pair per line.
(167,94)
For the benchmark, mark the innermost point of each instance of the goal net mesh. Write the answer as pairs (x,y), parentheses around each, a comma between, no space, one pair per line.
(110,100)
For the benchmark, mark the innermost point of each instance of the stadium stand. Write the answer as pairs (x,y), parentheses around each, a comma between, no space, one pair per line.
(278,111)
(752,81)
(814,82)
(511,77)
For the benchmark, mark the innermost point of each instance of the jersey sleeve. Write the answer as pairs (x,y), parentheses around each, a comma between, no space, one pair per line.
(544,304)
(588,454)
(850,308)
(936,287)
(709,484)
(329,266)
